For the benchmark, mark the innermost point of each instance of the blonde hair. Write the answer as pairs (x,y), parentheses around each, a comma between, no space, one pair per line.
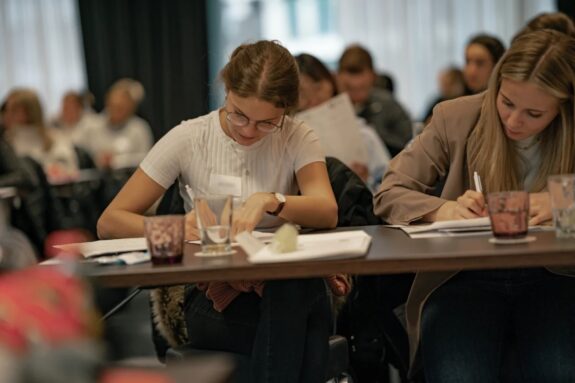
(264,70)
(29,100)
(134,89)
(546,59)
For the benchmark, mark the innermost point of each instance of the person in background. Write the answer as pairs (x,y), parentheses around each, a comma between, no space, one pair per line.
(12,172)
(380,110)
(482,53)
(451,85)
(516,134)
(556,20)
(279,170)
(385,81)
(122,139)
(15,247)
(317,85)
(29,136)
(370,293)
(76,116)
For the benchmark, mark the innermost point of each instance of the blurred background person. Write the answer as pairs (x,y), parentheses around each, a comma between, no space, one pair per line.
(12,171)
(451,85)
(76,116)
(385,81)
(481,55)
(27,133)
(377,106)
(318,85)
(122,139)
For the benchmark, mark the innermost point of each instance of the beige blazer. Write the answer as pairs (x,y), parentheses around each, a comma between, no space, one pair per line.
(439,152)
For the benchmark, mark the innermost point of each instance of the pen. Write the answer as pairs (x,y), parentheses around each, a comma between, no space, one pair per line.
(477,181)
(190,194)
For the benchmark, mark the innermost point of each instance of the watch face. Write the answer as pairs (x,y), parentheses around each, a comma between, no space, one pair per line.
(280,197)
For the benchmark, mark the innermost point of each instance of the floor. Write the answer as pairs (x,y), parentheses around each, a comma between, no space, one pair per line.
(128,332)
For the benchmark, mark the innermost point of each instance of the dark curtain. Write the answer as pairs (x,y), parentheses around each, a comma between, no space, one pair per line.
(567,6)
(162,44)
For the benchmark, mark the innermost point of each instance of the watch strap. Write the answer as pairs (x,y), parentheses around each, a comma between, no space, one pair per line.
(280,207)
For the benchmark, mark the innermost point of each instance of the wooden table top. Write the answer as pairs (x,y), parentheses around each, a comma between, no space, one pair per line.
(391,251)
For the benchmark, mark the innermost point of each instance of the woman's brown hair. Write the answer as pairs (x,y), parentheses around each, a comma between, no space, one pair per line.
(546,59)
(265,70)
(312,67)
(30,102)
(557,21)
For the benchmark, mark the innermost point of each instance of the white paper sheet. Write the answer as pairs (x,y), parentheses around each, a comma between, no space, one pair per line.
(345,244)
(131,258)
(124,245)
(479,224)
(108,246)
(338,129)
(455,228)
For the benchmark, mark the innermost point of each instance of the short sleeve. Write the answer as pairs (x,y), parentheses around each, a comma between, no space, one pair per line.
(164,161)
(304,146)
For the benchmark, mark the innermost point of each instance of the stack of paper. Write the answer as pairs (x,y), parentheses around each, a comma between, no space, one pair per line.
(346,244)
(338,129)
(460,227)
(440,228)
(108,246)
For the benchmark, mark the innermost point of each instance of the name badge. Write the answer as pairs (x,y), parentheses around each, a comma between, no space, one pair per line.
(220,184)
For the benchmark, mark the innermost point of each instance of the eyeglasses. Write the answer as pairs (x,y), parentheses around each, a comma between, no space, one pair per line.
(240,120)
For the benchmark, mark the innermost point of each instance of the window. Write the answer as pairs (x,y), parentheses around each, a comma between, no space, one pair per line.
(40,45)
(412,40)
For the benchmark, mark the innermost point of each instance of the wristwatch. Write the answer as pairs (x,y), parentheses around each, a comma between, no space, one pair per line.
(281,202)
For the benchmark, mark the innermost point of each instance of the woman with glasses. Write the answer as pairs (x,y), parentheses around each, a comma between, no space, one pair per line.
(275,169)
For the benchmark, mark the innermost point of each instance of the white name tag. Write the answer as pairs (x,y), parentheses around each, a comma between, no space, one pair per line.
(220,184)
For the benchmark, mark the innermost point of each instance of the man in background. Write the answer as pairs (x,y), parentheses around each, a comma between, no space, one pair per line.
(357,77)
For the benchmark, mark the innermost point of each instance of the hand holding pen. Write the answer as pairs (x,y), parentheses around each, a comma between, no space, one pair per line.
(469,205)
(474,200)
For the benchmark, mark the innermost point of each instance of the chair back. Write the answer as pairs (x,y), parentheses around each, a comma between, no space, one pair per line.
(354,199)
(171,202)
(40,212)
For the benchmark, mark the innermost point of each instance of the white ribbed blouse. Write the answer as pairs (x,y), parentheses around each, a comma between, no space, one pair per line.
(198,149)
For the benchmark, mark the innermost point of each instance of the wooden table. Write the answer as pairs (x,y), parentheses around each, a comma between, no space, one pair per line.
(391,252)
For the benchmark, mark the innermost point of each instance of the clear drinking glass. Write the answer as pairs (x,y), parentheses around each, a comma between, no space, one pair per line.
(562,193)
(214,219)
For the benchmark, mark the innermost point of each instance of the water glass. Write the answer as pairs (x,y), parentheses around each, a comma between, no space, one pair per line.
(562,193)
(214,219)
(509,213)
(165,238)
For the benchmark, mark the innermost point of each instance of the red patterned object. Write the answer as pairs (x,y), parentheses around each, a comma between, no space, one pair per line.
(133,376)
(42,305)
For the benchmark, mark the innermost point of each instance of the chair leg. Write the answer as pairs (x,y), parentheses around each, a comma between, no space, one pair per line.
(124,302)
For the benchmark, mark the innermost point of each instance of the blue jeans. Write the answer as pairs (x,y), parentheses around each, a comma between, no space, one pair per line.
(472,323)
(284,334)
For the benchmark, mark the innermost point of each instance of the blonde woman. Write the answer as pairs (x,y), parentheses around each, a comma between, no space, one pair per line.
(27,133)
(118,138)
(516,134)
